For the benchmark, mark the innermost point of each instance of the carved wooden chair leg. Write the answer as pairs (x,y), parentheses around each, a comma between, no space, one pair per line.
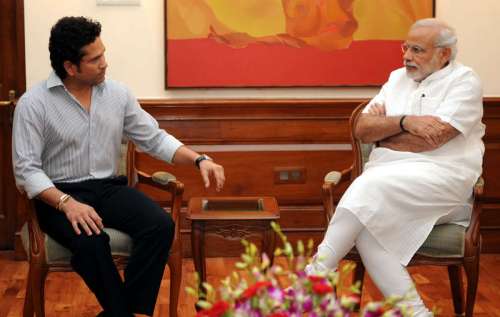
(359,274)
(39,274)
(472,273)
(28,300)
(269,243)
(175,266)
(456,283)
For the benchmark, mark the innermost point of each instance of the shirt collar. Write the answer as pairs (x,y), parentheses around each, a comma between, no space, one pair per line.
(55,81)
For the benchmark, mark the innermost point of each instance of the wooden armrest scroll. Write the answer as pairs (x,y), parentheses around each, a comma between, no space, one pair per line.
(336,177)
(472,233)
(36,235)
(332,180)
(161,180)
(479,187)
(168,182)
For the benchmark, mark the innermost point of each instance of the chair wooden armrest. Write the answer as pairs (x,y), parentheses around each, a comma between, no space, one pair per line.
(472,233)
(331,182)
(36,251)
(167,182)
(479,188)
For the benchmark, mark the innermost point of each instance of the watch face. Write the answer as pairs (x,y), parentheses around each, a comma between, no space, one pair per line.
(201,158)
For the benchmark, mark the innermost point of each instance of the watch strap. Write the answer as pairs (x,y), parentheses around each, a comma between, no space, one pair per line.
(201,158)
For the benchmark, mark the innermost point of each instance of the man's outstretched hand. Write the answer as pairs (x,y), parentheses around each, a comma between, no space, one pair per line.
(211,170)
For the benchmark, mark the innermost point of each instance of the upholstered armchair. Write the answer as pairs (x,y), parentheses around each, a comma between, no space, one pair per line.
(45,255)
(448,245)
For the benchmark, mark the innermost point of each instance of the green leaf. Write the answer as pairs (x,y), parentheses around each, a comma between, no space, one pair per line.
(204,304)
(275,226)
(247,258)
(235,276)
(355,288)
(300,247)
(288,249)
(191,291)
(208,287)
(310,244)
(253,249)
(241,265)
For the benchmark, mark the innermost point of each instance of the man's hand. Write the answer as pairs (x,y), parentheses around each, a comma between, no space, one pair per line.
(377,109)
(430,128)
(208,169)
(82,215)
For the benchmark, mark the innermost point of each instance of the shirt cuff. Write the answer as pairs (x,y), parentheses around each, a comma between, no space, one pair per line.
(37,183)
(454,124)
(170,146)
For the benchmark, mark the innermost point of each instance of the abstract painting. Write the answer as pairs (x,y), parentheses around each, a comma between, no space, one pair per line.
(286,43)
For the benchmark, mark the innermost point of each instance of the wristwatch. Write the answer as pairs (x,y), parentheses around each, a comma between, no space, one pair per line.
(201,158)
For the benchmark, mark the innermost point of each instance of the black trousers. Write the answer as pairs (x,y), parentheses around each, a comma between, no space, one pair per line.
(125,209)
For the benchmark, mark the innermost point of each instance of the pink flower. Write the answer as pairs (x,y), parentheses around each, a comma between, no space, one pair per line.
(278,315)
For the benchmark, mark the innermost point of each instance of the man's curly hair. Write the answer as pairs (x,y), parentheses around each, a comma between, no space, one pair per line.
(67,38)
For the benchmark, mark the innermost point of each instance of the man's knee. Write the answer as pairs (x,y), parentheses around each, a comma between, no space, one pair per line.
(166,226)
(91,244)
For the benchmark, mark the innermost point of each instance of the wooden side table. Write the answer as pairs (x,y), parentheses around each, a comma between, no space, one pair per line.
(230,216)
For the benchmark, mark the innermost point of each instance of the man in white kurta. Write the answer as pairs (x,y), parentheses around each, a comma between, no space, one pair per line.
(426,121)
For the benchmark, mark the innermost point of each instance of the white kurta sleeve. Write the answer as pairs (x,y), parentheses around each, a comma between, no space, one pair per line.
(462,107)
(383,95)
(380,98)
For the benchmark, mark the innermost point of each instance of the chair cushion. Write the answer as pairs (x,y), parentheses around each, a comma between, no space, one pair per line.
(446,240)
(121,244)
(366,150)
(122,164)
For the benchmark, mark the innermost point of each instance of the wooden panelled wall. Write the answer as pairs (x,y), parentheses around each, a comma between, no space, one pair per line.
(255,139)
(8,210)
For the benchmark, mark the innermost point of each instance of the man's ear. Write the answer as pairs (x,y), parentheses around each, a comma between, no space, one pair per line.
(446,54)
(70,68)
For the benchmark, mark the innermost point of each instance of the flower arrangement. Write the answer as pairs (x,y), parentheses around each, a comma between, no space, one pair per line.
(258,289)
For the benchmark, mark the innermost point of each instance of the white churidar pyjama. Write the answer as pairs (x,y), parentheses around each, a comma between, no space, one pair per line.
(345,231)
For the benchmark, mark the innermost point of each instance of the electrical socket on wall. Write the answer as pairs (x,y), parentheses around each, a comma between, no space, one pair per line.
(118,2)
(289,175)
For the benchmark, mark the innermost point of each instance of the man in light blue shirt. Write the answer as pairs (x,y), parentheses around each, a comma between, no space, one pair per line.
(67,136)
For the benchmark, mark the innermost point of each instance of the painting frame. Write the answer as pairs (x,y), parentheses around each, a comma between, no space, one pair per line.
(174,67)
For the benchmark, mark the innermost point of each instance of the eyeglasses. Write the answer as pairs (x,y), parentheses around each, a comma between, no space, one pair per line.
(414,49)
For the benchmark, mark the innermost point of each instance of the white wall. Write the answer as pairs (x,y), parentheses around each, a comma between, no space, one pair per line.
(134,39)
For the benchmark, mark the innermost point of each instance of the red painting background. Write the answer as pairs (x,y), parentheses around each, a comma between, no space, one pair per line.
(206,63)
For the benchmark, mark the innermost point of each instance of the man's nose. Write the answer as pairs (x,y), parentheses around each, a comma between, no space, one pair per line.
(408,56)
(104,64)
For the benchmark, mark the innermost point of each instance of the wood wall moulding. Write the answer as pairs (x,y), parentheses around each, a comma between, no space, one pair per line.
(253,121)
